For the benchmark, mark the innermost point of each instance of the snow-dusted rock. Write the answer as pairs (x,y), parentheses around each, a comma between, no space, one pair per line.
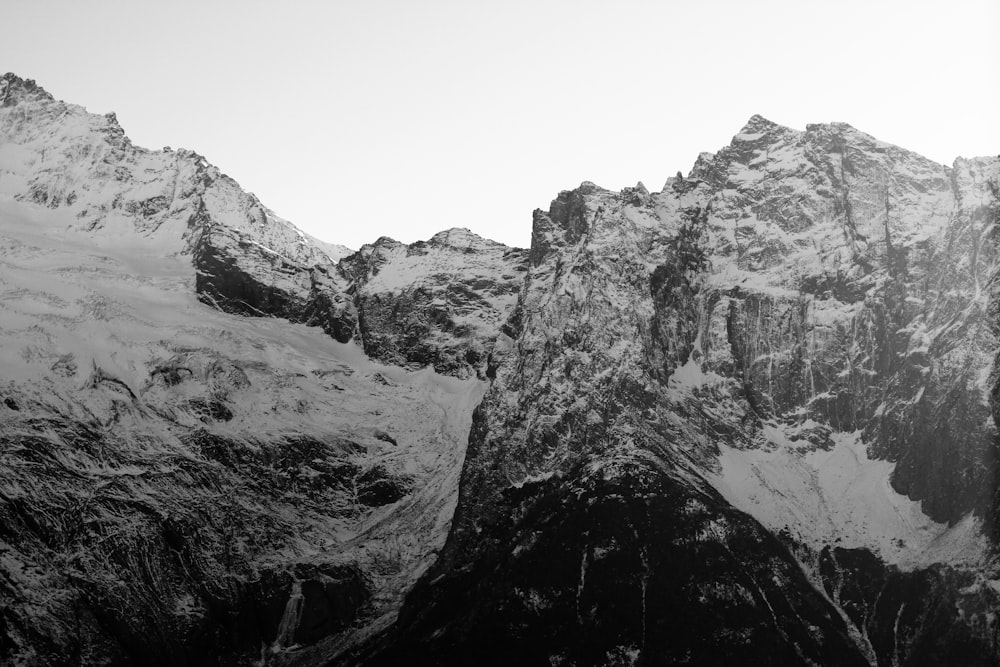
(798,329)
(439,302)
(177,481)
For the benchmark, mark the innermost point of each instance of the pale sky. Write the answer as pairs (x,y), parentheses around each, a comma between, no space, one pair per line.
(403,118)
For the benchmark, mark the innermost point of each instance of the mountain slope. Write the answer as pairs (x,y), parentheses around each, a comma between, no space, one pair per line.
(181,484)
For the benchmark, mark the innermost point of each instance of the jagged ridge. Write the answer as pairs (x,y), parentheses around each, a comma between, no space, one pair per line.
(797,292)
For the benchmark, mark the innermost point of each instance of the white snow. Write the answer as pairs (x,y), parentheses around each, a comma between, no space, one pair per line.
(840,497)
(118,303)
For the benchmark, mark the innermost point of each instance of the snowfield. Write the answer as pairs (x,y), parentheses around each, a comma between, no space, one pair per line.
(842,497)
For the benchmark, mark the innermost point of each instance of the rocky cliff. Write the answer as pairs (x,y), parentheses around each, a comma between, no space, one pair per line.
(748,418)
(439,303)
(802,329)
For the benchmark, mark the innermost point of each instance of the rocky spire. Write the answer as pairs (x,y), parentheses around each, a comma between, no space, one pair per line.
(14,90)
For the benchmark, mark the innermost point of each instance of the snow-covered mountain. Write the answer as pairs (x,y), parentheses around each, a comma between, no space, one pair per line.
(178,480)
(748,418)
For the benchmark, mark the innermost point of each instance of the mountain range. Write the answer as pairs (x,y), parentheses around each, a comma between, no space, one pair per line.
(749,418)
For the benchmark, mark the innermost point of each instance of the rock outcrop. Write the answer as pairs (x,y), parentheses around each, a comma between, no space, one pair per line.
(438,303)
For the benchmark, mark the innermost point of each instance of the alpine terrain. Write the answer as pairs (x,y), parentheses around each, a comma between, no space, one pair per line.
(747,419)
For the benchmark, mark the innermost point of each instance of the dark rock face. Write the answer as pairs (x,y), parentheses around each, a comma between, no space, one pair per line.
(222,284)
(438,303)
(587,570)
(241,277)
(331,597)
(378,486)
(235,621)
(161,577)
(934,616)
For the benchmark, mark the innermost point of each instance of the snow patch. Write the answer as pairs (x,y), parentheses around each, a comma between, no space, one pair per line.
(840,497)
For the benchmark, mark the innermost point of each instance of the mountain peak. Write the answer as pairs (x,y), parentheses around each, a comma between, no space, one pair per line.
(459,237)
(760,130)
(758,123)
(835,127)
(14,90)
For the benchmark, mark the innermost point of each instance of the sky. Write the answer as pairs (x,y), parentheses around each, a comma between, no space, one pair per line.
(356,120)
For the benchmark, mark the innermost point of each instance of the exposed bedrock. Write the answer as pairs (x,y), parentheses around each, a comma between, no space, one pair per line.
(239,276)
